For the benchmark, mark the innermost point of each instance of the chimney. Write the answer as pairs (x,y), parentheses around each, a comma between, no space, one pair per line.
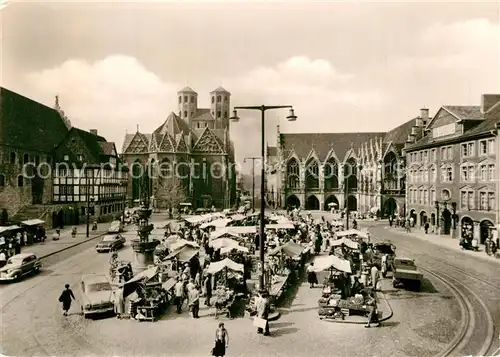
(489,100)
(424,115)
(93,131)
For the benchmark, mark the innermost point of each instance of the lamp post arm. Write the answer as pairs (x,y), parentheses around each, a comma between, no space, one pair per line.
(264,107)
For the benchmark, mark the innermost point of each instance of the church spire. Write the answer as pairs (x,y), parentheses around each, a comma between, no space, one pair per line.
(65,119)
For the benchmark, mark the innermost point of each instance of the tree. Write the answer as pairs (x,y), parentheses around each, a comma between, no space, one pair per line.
(170,192)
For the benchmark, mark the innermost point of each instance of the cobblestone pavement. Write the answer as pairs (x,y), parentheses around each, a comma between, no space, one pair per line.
(32,324)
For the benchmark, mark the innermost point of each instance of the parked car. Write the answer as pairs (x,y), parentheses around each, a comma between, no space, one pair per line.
(110,242)
(406,274)
(96,295)
(116,227)
(379,249)
(20,265)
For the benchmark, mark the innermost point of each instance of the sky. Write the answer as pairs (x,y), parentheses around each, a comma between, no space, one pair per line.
(344,66)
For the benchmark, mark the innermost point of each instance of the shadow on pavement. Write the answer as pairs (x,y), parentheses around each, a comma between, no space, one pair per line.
(428,287)
(284,331)
(289,295)
(280,324)
(389,324)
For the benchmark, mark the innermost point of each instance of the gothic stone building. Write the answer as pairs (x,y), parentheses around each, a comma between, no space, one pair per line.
(195,145)
(452,171)
(33,135)
(362,171)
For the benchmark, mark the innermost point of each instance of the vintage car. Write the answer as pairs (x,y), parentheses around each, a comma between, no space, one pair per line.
(110,242)
(96,295)
(379,249)
(20,265)
(116,227)
(406,274)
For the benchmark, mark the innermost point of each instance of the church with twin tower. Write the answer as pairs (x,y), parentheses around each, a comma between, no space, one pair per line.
(195,144)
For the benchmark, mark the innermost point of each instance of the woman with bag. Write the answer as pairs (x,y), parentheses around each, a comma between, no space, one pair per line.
(65,298)
(221,341)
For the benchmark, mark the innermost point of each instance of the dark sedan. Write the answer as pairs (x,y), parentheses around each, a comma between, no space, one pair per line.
(110,242)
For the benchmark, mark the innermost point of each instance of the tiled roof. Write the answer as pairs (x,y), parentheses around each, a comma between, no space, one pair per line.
(127,141)
(465,112)
(107,148)
(399,134)
(173,125)
(28,124)
(96,145)
(322,143)
(219,89)
(203,114)
(187,89)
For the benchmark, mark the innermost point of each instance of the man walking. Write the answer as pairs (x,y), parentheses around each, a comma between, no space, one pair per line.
(263,309)
(208,289)
(179,295)
(194,301)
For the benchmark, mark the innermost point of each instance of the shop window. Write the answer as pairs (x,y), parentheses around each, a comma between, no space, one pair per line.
(20,181)
(2,180)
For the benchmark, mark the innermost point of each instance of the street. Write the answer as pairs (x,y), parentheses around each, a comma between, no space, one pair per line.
(422,325)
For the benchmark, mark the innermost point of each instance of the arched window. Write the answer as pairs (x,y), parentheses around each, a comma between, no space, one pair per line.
(226,99)
(20,181)
(2,180)
(213,99)
(185,114)
(331,172)
(218,99)
(165,168)
(292,171)
(26,158)
(12,157)
(192,99)
(312,174)
(351,175)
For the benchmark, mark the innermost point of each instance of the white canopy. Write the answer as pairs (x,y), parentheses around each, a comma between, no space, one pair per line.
(345,241)
(280,225)
(237,217)
(223,233)
(145,274)
(224,264)
(352,232)
(230,248)
(218,223)
(8,228)
(235,231)
(32,222)
(181,243)
(222,243)
(326,262)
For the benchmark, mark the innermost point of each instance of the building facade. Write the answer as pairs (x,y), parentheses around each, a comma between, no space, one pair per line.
(362,171)
(452,170)
(34,141)
(190,156)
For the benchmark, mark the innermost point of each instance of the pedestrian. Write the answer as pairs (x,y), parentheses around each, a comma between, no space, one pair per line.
(311,276)
(194,301)
(426,227)
(221,341)
(179,294)
(384,265)
(208,289)
(119,303)
(373,315)
(66,298)
(374,276)
(3,259)
(263,309)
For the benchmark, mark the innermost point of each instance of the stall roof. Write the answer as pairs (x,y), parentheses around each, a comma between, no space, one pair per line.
(223,233)
(222,242)
(181,243)
(147,274)
(185,254)
(8,228)
(233,230)
(322,263)
(352,232)
(280,225)
(218,223)
(290,248)
(239,248)
(345,241)
(32,222)
(223,264)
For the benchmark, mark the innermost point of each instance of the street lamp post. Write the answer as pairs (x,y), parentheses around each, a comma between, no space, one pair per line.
(291,117)
(253,178)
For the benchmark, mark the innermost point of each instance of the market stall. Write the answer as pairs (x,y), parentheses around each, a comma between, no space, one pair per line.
(178,258)
(227,274)
(34,229)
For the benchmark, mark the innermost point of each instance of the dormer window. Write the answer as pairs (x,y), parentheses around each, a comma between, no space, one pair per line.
(66,157)
(79,157)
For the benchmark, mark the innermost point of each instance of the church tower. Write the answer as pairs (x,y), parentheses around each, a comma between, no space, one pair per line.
(188,104)
(220,100)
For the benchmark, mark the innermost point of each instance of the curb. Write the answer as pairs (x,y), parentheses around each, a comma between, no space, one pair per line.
(72,246)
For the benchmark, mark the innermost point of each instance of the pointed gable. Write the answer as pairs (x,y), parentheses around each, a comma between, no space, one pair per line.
(166,144)
(138,145)
(181,144)
(208,143)
(173,125)
(155,138)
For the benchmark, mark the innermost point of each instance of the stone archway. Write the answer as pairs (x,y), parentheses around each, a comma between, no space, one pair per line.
(446,221)
(467,227)
(331,199)
(292,202)
(390,207)
(352,203)
(312,203)
(413,214)
(484,230)
(423,218)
